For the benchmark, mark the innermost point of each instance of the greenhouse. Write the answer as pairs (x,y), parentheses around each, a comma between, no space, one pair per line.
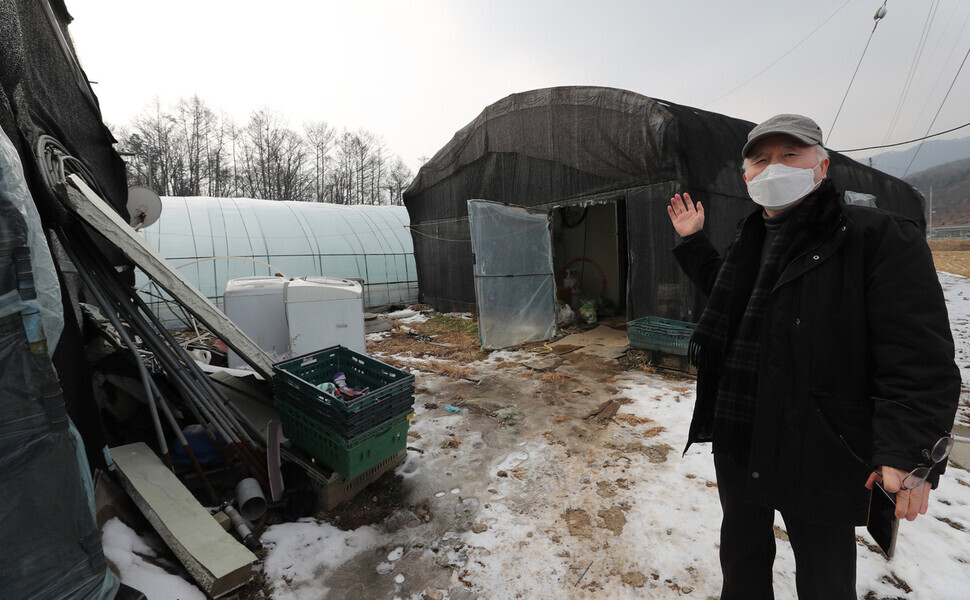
(591,170)
(213,240)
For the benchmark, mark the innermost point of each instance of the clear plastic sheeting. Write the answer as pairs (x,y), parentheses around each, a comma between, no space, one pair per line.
(21,226)
(514,281)
(213,240)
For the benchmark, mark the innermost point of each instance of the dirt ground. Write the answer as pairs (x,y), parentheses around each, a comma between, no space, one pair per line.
(952,256)
(568,401)
(573,405)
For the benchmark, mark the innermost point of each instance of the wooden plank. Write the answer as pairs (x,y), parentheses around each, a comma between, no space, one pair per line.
(100,216)
(217,562)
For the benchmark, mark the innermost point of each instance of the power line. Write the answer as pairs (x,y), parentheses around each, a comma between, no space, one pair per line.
(952,83)
(920,139)
(880,13)
(756,75)
(947,61)
(910,76)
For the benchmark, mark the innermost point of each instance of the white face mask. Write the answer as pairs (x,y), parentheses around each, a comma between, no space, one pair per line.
(780,186)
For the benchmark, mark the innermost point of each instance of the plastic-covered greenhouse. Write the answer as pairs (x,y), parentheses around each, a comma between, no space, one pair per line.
(601,164)
(213,240)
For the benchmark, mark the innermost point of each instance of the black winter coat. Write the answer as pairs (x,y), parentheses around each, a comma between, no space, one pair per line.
(856,363)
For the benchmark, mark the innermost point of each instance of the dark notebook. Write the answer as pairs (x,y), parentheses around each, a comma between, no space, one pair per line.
(883,524)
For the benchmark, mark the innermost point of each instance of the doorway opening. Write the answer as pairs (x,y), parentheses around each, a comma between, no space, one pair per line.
(590,257)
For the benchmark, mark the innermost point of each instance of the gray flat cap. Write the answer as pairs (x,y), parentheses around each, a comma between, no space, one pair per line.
(801,128)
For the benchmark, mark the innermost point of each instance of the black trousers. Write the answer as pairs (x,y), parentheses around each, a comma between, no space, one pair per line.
(825,556)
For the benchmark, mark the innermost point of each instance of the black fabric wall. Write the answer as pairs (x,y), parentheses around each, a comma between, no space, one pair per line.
(43,91)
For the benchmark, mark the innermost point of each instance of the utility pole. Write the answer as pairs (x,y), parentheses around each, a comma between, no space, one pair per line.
(929,225)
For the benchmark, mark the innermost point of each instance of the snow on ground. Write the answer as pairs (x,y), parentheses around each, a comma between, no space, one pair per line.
(126,549)
(580,512)
(956,290)
(304,550)
(407,316)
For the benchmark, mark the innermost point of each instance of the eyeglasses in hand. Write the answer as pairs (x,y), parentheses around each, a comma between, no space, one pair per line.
(940,451)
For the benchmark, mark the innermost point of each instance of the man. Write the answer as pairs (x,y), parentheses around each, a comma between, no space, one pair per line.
(825,365)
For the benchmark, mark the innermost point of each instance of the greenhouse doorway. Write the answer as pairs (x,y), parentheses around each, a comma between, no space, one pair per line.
(528,262)
(590,257)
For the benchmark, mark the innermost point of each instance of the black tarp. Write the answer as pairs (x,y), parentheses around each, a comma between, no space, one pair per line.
(573,145)
(45,94)
(54,547)
(44,91)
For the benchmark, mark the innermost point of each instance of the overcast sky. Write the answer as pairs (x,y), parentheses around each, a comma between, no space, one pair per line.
(416,71)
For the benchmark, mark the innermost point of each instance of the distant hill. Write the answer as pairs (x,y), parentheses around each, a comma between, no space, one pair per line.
(950,186)
(933,153)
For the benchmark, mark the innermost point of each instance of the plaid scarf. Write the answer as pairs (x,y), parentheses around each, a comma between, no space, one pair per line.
(726,344)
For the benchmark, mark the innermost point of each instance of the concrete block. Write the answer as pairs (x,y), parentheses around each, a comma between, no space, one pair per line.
(217,562)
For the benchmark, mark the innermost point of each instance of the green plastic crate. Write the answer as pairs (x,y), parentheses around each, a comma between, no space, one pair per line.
(295,381)
(658,333)
(348,458)
(352,425)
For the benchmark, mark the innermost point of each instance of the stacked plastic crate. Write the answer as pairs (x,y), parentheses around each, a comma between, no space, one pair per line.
(352,430)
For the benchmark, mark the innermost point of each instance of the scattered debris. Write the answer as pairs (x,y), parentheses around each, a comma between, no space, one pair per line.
(635,420)
(894,580)
(951,523)
(605,411)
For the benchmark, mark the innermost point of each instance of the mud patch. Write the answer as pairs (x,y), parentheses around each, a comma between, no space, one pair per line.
(780,533)
(657,453)
(605,489)
(613,519)
(633,419)
(634,578)
(578,522)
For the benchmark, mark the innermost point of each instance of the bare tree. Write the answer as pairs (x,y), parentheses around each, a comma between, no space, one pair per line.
(398,179)
(154,159)
(321,137)
(219,158)
(194,123)
(189,150)
(274,159)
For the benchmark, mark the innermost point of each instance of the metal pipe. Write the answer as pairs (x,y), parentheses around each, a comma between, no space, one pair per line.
(199,374)
(185,443)
(123,333)
(222,420)
(138,309)
(168,362)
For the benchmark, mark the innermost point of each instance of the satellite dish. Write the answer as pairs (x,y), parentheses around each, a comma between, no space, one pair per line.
(144,206)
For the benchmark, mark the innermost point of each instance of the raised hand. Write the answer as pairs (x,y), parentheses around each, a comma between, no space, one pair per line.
(686,217)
